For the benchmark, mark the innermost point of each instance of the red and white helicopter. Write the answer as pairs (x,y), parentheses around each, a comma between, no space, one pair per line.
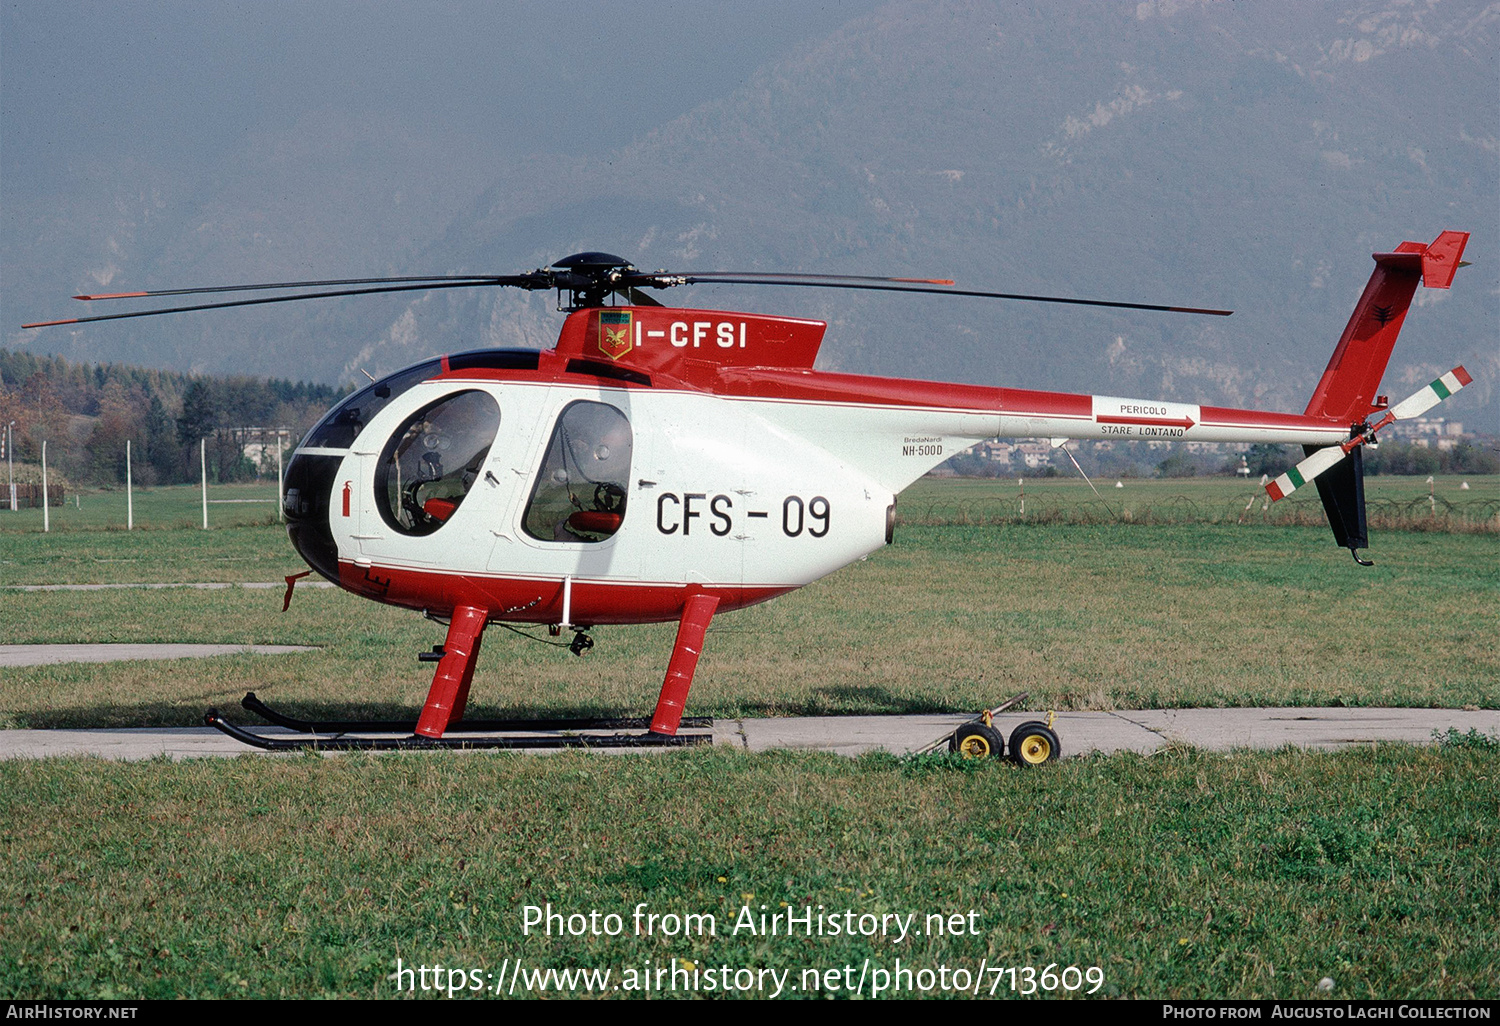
(665,464)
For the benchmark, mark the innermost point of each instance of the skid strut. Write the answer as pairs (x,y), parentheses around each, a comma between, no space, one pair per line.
(455,670)
(696,613)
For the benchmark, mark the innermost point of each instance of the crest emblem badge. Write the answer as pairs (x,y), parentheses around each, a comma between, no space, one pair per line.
(615,333)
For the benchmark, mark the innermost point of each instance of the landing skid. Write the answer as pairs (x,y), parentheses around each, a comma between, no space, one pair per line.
(362,735)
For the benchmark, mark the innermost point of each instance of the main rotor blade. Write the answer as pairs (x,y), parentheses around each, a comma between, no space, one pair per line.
(665,281)
(776,278)
(479,279)
(525,281)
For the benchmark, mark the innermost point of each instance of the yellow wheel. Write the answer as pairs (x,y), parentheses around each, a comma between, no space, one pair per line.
(1033,744)
(976,741)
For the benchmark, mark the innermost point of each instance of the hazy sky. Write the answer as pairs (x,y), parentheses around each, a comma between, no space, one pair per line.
(160,143)
(185,82)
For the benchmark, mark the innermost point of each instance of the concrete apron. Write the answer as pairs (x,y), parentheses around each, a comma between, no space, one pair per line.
(1080,732)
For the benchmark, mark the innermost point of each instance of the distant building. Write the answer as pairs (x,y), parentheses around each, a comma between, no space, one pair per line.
(1035,454)
(1427,432)
(995,451)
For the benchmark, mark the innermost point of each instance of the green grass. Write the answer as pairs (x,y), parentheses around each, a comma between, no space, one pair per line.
(1404,503)
(260,553)
(947,619)
(171,507)
(1180,875)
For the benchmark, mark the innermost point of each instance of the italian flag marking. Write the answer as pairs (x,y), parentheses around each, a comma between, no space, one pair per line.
(1434,393)
(1285,485)
(1451,382)
(1304,472)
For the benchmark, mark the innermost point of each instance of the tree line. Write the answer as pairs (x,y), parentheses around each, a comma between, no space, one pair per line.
(86,413)
(1134,459)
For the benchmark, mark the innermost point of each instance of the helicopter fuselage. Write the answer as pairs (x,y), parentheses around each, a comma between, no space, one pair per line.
(656,453)
(664,464)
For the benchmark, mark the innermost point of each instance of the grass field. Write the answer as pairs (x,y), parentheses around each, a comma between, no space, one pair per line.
(1180,874)
(952,617)
(1404,503)
(178,507)
(1400,501)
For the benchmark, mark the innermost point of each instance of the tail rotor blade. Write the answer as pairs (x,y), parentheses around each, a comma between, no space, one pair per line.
(1435,392)
(1304,472)
(1412,406)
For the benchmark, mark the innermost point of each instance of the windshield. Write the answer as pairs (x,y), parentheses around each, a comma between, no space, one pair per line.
(342,424)
(581,491)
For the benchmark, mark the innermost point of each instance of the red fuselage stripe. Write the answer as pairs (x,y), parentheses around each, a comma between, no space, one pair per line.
(540,600)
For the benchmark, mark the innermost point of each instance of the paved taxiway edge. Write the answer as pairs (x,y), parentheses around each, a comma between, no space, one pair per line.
(1141,731)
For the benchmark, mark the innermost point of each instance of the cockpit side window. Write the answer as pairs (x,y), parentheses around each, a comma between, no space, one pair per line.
(433,460)
(580,494)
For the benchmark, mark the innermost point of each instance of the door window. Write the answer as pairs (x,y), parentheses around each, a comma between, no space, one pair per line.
(581,492)
(433,459)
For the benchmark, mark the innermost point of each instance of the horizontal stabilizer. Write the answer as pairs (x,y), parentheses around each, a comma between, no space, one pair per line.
(1441,259)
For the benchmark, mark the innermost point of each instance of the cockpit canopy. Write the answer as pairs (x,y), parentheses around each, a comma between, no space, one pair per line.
(342,424)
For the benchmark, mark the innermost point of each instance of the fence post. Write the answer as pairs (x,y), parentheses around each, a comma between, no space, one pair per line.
(46,507)
(203,465)
(129,494)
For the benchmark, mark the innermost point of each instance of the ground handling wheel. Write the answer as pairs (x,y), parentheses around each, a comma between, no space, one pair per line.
(977,741)
(1033,744)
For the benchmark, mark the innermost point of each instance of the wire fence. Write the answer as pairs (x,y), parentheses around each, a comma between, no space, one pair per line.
(1459,512)
(1426,513)
(161,508)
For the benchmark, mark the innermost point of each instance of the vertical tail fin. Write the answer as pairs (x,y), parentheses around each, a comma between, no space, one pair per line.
(1347,391)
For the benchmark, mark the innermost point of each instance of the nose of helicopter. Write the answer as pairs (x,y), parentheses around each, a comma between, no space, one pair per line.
(307,498)
(307,502)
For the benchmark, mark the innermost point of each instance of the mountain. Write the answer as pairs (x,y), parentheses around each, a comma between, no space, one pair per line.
(1206,154)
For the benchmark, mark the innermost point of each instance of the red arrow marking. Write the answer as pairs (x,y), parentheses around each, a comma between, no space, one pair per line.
(1184,423)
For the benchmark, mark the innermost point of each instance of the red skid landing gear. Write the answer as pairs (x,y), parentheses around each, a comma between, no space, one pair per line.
(443,712)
